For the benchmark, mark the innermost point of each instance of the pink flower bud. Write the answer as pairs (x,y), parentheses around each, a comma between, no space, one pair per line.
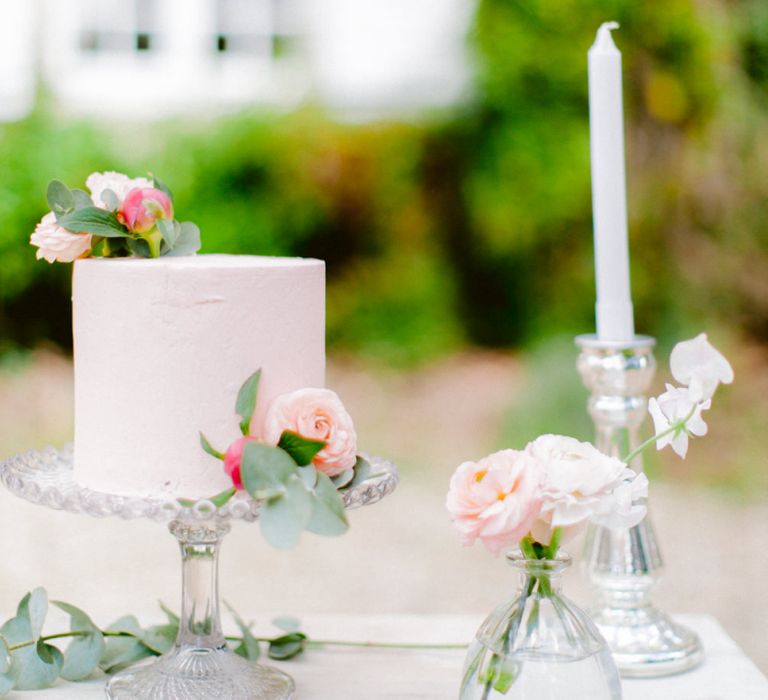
(232,458)
(142,207)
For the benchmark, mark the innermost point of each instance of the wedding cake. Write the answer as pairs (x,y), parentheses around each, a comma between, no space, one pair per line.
(161,347)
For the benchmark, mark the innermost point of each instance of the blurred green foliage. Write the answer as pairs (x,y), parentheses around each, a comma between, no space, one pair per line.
(467,227)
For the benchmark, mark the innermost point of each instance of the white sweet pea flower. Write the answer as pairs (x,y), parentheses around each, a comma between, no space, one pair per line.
(698,365)
(677,406)
(581,483)
(120,184)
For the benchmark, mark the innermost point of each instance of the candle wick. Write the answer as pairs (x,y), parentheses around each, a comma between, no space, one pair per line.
(604,40)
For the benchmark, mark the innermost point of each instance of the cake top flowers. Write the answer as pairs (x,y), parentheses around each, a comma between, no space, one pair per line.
(118,217)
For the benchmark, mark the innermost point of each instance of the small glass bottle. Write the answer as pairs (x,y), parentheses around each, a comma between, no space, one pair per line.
(539,645)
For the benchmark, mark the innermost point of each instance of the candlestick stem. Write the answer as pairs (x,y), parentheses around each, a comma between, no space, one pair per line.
(624,565)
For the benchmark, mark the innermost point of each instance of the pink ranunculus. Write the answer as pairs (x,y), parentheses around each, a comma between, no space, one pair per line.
(232,459)
(316,414)
(495,500)
(142,207)
(56,244)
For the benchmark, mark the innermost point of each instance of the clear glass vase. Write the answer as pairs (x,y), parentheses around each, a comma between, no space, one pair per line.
(539,645)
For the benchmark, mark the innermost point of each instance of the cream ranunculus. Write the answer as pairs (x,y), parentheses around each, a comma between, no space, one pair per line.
(496,499)
(698,365)
(120,184)
(316,414)
(56,244)
(580,483)
(677,404)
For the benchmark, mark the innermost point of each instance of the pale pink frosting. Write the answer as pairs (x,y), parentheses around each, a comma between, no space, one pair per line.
(316,414)
(496,499)
(56,244)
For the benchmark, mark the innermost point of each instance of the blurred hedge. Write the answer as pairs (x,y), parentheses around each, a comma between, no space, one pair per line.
(472,226)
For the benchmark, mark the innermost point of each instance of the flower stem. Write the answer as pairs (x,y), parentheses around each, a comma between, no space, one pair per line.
(674,428)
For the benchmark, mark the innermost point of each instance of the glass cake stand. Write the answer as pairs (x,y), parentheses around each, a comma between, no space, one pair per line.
(200,666)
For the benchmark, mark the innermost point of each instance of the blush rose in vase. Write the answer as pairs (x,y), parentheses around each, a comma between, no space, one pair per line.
(526,503)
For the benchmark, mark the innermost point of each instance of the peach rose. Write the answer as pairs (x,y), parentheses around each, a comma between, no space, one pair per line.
(232,459)
(120,184)
(56,244)
(315,414)
(495,500)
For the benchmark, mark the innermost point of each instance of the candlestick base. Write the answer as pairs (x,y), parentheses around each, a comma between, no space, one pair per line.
(624,565)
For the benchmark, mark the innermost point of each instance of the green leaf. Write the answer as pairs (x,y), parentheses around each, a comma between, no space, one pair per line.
(60,198)
(93,220)
(264,468)
(188,241)
(363,471)
(221,499)
(82,199)
(249,647)
(160,638)
(34,607)
(209,448)
(287,623)
(284,517)
(32,667)
(6,684)
(121,652)
(246,401)
(82,655)
(328,515)
(110,199)
(287,646)
(173,618)
(301,449)
(158,184)
(169,230)
(139,247)
(5,657)
(309,476)
(343,479)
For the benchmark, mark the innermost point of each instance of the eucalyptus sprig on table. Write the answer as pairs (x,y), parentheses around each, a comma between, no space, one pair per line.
(29,661)
(294,495)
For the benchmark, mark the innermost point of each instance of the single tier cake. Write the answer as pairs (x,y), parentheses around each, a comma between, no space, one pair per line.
(162,347)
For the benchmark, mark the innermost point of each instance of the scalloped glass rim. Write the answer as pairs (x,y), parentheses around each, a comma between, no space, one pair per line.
(45,477)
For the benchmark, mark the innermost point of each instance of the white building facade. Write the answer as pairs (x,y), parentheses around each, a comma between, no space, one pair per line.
(364,59)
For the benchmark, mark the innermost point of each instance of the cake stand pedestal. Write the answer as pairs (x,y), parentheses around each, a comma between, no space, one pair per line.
(200,666)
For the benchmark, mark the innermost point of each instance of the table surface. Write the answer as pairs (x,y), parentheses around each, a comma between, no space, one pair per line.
(335,673)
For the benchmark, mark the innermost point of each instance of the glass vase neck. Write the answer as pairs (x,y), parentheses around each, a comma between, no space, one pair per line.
(536,569)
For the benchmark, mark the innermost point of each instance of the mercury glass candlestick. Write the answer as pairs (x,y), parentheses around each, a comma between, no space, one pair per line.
(624,565)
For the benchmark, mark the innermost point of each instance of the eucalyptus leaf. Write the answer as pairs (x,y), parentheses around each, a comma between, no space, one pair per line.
(83,199)
(169,230)
(34,607)
(264,468)
(287,623)
(82,655)
(308,475)
(121,652)
(93,220)
(343,479)
(6,684)
(328,514)
(209,448)
(5,657)
(249,647)
(363,471)
(28,668)
(139,247)
(245,405)
(160,185)
(160,638)
(301,449)
(109,198)
(173,618)
(60,198)
(284,517)
(287,646)
(188,241)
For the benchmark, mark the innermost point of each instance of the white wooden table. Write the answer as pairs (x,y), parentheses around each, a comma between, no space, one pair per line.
(374,674)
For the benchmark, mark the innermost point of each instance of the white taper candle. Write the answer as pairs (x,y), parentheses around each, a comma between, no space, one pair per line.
(609,199)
